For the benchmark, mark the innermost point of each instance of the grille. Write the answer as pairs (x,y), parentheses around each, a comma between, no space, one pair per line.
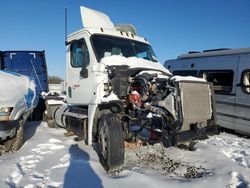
(195,101)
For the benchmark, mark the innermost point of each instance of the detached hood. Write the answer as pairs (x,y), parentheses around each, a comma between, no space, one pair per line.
(134,63)
(15,89)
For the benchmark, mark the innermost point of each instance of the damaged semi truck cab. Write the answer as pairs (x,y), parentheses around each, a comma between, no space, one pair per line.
(117,90)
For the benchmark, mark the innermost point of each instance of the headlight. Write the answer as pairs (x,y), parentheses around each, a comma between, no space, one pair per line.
(5,109)
(4,113)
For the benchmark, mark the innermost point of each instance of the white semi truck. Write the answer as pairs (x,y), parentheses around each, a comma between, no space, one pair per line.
(117,90)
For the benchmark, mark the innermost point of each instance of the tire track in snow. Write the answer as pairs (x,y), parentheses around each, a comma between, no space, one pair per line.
(26,165)
(64,162)
(235,148)
(238,150)
(238,180)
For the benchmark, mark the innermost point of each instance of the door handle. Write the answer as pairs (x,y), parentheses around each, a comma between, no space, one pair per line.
(70,92)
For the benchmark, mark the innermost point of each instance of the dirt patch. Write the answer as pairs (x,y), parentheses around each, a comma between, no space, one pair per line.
(155,157)
(3,150)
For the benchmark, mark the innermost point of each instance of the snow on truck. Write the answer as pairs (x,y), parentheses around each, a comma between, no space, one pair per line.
(18,98)
(32,64)
(117,91)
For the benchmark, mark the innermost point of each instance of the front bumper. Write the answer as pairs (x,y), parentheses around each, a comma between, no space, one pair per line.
(8,125)
(197,134)
(4,116)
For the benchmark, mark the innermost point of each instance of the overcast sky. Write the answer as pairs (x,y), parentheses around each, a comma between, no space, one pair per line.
(172,27)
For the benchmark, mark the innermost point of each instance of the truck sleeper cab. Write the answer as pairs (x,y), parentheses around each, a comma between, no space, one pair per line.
(116,89)
(229,72)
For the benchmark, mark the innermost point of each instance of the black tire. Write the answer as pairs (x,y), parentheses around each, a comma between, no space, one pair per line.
(16,142)
(110,143)
(38,112)
(52,124)
(168,139)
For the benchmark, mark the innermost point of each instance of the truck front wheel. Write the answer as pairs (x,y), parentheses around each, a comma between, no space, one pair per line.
(110,142)
(15,142)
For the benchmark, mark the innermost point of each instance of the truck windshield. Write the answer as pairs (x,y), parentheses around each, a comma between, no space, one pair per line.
(105,46)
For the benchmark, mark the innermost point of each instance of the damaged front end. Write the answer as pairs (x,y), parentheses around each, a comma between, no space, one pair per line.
(156,106)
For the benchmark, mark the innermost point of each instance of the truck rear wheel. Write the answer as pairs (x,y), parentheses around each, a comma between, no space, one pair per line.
(38,112)
(16,142)
(110,143)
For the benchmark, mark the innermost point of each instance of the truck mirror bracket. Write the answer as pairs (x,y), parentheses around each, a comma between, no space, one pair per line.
(84,73)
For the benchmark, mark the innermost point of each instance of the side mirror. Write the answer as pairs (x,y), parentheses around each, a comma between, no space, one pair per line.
(85,60)
(154,59)
(84,71)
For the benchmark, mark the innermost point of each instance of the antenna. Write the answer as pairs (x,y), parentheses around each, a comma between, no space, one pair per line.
(65,24)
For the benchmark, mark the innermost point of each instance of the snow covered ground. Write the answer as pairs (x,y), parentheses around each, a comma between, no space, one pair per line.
(49,159)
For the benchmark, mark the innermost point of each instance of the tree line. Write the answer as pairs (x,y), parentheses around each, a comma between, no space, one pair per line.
(54,79)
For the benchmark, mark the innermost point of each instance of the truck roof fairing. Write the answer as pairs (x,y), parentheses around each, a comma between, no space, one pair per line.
(95,22)
(94,19)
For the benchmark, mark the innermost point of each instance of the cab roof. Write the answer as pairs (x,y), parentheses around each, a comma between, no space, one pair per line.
(95,22)
(91,31)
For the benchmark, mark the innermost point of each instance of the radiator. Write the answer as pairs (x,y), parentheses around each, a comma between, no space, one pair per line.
(196,101)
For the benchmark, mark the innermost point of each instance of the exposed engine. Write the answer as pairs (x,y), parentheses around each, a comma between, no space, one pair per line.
(145,107)
(146,93)
(154,102)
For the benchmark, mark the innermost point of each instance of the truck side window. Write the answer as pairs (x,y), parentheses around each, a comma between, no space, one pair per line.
(79,54)
(222,80)
(186,73)
(246,81)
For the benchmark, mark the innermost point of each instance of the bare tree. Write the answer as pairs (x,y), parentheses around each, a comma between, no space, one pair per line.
(55,80)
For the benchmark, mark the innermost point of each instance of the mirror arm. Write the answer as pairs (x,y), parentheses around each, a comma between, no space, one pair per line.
(84,72)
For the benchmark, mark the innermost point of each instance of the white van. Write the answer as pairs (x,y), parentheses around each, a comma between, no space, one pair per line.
(229,71)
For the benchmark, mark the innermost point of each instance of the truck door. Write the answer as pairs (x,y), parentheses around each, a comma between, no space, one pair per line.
(242,106)
(79,84)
